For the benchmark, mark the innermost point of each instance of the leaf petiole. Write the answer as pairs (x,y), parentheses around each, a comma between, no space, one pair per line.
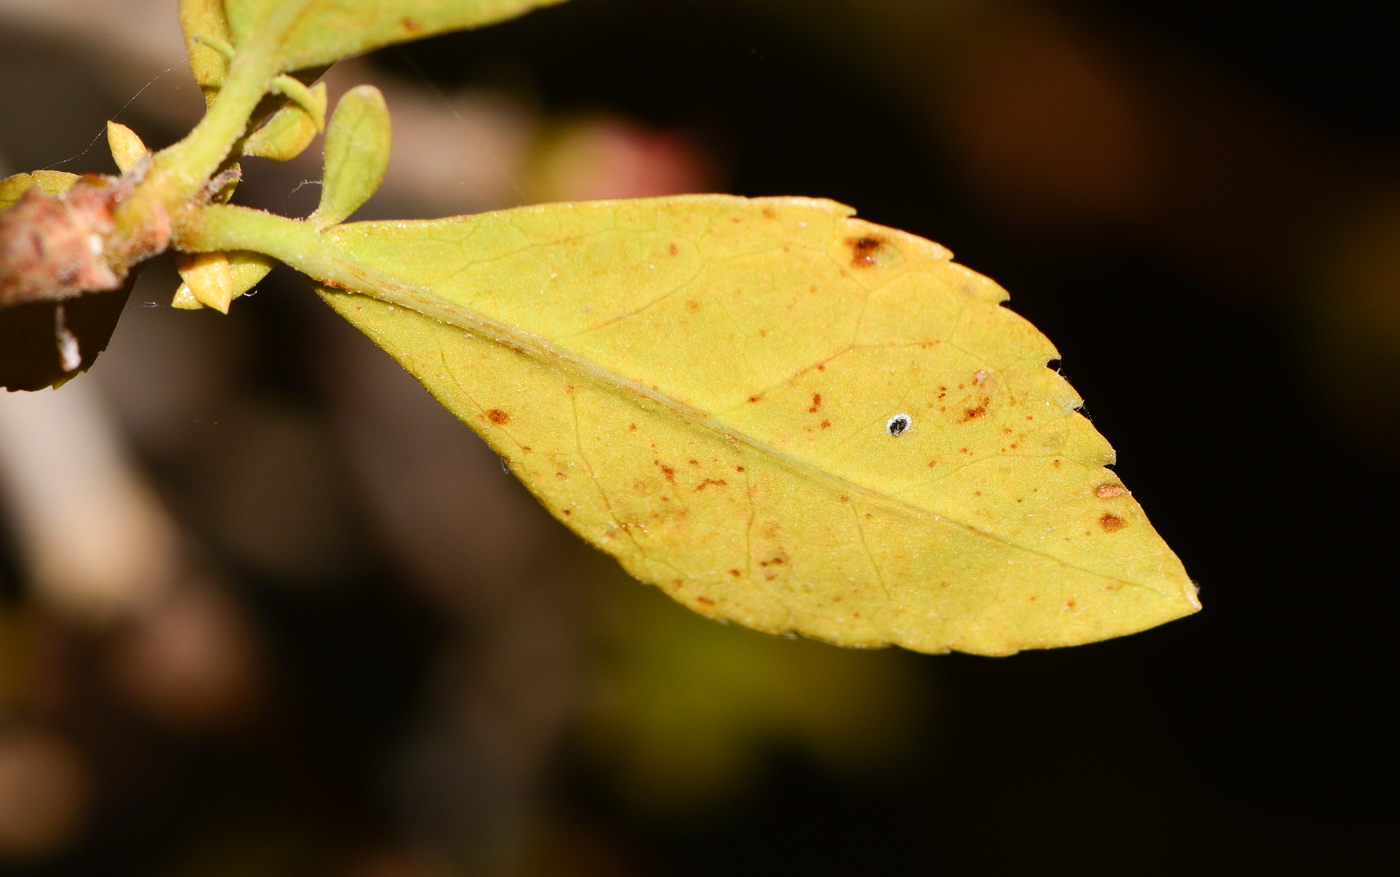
(295,243)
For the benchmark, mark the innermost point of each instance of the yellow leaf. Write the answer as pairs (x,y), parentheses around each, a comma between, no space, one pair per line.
(49,182)
(780,415)
(205,18)
(328,30)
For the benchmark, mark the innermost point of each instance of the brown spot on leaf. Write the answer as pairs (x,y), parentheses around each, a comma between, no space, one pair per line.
(693,305)
(674,249)
(816,403)
(665,470)
(1112,523)
(1070,604)
(768,212)
(864,250)
(695,462)
(1108,491)
(498,417)
(568,511)
(738,468)
(753,398)
(973,413)
(735,573)
(717,482)
(704,601)
(826,424)
(561,476)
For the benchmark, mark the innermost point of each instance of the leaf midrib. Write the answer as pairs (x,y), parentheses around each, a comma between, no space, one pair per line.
(423,302)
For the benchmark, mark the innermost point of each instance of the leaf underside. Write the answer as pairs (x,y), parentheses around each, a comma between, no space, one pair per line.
(328,30)
(704,387)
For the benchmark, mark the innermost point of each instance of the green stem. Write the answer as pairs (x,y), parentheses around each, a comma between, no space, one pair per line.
(178,172)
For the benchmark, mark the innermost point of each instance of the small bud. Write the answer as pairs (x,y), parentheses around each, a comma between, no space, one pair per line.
(208,278)
(127,148)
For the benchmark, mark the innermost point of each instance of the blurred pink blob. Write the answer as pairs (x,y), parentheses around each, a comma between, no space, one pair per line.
(192,663)
(608,158)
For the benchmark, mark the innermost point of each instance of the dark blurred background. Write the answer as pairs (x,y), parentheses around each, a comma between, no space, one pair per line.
(268,610)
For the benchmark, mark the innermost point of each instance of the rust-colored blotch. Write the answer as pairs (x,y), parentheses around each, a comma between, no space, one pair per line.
(863,251)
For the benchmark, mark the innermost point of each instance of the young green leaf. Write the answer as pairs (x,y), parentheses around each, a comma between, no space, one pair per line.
(290,130)
(327,30)
(780,415)
(357,154)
